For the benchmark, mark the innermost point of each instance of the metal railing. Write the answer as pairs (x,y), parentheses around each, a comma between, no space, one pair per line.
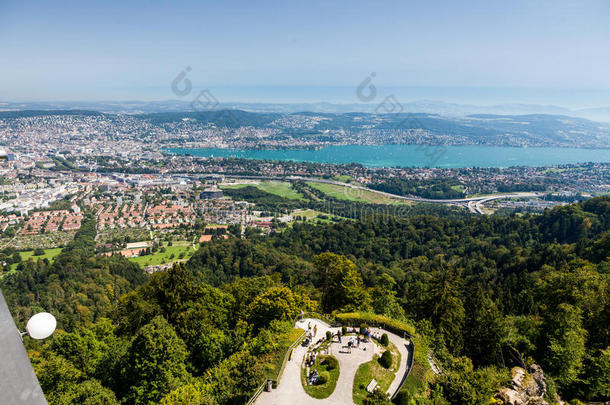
(288,353)
(258,392)
(261,388)
(330,321)
(410,362)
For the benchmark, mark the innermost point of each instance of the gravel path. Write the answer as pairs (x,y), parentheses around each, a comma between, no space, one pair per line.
(291,392)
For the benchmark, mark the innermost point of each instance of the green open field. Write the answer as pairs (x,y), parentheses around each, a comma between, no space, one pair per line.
(345,178)
(314,216)
(308,213)
(351,194)
(164,257)
(458,187)
(281,188)
(48,254)
(373,370)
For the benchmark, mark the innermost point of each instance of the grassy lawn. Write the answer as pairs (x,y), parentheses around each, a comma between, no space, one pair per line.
(373,370)
(281,188)
(351,194)
(313,216)
(165,257)
(458,187)
(323,390)
(309,213)
(48,254)
(274,362)
(344,178)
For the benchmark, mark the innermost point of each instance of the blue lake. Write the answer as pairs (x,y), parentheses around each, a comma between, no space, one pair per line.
(418,155)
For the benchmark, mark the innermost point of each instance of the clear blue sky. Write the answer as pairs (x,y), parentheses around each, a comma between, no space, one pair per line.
(530,51)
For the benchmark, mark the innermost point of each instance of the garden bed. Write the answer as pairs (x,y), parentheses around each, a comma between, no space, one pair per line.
(323,364)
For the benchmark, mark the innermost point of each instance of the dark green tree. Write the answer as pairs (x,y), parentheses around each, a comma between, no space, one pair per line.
(377,397)
(445,307)
(277,303)
(564,345)
(155,363)
(384,298)
(341,283)
(485,329)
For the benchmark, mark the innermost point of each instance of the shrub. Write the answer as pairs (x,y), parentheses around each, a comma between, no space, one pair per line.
(386,359)
(343,330)
(331,363)
(38,252)
(363,328)
(329,335)
(377,397)
(323,377)
(384,339)
(404,398)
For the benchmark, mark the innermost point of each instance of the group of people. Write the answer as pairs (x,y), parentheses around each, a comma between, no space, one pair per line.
(310,360)
(313,377)
(376,336)
(315,328)
(351,344)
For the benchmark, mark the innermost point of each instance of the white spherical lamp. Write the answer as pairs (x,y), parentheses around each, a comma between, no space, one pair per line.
(41,325)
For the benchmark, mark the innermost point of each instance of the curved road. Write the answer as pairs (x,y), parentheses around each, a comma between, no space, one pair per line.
(480,199)
(290,390)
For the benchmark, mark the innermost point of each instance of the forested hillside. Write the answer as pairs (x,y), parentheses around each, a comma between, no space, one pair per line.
(485,293)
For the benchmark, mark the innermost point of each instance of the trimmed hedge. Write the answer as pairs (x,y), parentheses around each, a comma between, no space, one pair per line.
(331,363)
(358,318)
(386,359)
(323,378)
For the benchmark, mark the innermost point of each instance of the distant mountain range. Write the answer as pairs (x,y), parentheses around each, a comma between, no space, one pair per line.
(601,114)
(313,129)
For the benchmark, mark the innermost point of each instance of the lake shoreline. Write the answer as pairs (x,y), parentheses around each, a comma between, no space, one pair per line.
(412,155)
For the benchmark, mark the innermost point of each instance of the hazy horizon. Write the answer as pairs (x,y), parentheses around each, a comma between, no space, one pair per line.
(550,53)
(343,95)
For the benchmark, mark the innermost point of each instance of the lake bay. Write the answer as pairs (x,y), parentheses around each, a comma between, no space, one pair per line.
(417,155)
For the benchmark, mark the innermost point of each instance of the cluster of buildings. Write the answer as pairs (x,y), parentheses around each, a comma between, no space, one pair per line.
(140,215)
(170,215)
(9,220)
(51,221)
(111,216)
(115,165)
(23,198)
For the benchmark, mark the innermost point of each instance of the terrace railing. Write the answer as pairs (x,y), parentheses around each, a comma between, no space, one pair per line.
(261,388)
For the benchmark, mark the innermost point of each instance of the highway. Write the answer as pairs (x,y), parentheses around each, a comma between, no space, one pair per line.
(474,204)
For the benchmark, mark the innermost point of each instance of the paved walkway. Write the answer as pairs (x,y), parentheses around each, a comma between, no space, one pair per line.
(291,392)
